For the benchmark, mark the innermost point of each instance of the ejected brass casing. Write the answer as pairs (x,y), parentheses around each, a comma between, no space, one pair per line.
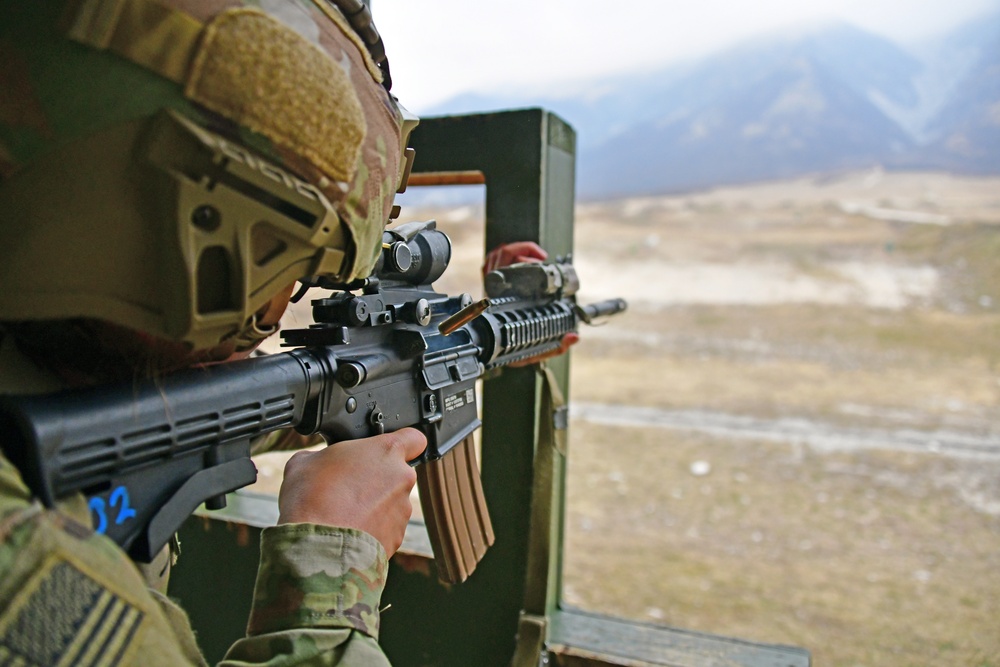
(467,314)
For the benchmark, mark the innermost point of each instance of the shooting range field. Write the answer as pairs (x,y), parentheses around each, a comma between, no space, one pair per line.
(793,434)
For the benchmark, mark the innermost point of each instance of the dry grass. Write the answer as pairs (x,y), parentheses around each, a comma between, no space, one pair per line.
(867,558)
(798,360)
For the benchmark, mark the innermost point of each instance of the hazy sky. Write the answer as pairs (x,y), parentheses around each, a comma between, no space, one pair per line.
(442,47)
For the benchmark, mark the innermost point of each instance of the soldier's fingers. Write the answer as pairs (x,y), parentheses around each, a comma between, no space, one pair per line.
(408,443)
(510,253)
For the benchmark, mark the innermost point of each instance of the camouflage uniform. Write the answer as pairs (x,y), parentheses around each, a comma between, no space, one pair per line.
(70,596)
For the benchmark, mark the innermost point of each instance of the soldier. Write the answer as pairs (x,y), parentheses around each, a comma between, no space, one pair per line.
(168,169)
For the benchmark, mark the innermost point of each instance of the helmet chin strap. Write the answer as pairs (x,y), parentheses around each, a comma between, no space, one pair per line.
(252,333)
(262,324)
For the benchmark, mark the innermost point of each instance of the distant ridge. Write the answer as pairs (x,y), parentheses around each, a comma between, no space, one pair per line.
(826,99)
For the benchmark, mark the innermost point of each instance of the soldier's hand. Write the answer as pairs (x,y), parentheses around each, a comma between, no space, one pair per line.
(363,484)
(513,253)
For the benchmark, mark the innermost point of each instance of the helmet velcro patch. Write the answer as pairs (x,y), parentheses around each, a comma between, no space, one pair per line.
(263,75)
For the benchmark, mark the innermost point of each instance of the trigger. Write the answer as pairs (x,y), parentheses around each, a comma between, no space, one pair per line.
(377,421)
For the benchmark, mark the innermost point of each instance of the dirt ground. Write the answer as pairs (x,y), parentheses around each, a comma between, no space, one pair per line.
(793,435)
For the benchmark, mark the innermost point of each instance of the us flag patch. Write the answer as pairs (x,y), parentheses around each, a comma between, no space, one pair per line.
(64,617)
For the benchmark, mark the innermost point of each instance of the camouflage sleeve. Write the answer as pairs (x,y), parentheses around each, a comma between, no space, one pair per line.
(316,599)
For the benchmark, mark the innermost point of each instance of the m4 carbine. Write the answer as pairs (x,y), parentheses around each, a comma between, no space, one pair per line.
(385,353)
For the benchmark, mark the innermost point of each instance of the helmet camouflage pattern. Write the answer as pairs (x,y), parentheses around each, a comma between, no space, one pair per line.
(170,165)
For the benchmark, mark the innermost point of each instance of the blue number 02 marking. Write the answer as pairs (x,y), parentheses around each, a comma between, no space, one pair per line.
(125,512)
(119,499)
(97,507)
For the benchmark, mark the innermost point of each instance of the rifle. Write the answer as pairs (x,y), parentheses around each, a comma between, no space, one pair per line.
(385,353)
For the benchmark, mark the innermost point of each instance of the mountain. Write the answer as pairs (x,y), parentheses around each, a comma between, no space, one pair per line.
(826,99)
(965,130)
(770,109)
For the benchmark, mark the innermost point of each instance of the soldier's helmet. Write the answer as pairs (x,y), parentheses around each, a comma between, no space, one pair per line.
(170,165)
